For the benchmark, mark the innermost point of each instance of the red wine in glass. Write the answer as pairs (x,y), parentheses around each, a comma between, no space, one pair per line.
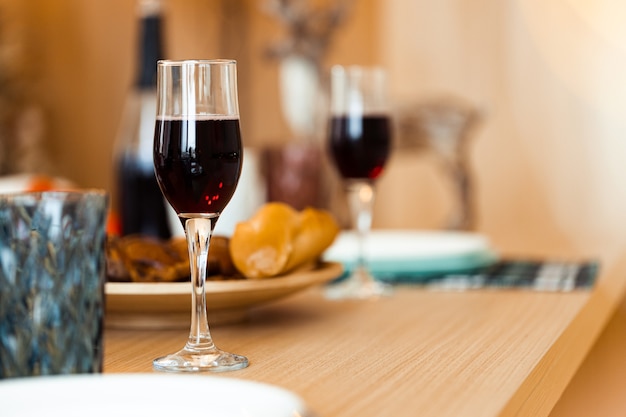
(359,141)
(360,145)
(198,162)
(197,157)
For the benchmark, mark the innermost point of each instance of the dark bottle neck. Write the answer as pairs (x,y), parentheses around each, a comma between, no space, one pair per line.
(150,50)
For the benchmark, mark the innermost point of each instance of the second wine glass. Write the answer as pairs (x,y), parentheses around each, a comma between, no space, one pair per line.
(197,160)
(360,143)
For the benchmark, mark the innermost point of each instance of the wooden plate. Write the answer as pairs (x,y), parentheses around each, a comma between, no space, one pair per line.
(168,305)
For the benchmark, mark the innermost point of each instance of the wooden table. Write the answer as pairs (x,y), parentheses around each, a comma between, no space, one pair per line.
(420,352)
(597,389)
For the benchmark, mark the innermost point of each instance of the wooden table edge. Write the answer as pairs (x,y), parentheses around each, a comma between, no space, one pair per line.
(546,383)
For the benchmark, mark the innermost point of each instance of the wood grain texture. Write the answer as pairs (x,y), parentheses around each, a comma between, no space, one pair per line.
(483,353)
(597,389)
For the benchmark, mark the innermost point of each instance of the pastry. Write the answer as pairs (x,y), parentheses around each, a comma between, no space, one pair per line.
(279,239)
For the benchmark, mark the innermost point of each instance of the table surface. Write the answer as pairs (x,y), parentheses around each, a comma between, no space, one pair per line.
(474,353)
(597,389)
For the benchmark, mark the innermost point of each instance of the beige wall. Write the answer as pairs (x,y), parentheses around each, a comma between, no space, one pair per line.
(548,158)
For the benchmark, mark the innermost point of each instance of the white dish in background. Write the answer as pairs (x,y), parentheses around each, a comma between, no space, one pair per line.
(19,183)
(414,253)
(154,395)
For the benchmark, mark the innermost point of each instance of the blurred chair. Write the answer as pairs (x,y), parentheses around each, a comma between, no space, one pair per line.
(445,126)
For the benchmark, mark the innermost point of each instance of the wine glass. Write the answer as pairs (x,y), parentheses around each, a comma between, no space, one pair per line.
(197,160)
(360,143)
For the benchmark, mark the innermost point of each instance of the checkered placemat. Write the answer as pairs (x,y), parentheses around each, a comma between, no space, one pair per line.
(511,273)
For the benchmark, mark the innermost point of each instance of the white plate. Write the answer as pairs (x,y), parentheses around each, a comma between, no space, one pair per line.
(154,395)
(29,182)
(168,305)
(409,252)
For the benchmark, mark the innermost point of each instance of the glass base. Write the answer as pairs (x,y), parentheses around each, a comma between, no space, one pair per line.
(213,360)
(359,285)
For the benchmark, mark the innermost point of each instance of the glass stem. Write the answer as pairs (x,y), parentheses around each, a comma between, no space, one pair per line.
(199,231)
(361,201)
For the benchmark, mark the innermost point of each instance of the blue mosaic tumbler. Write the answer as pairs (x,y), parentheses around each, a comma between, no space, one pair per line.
(52,272)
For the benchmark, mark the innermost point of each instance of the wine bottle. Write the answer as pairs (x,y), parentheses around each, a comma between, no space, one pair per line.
(139,202)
